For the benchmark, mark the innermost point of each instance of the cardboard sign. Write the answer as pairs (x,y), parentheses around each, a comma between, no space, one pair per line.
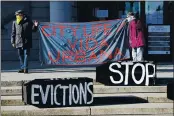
(64,92)
(126,73)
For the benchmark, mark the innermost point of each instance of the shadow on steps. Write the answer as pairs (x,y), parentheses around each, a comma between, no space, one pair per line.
(114,100)
(101,101)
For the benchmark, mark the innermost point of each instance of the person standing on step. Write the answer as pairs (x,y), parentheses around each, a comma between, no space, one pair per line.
(136,36)
(21,38)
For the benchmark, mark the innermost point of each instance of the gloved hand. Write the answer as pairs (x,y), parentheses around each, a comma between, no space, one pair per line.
(14,45)
(35,23)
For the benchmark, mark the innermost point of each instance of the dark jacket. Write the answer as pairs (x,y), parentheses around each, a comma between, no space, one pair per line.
(21,34)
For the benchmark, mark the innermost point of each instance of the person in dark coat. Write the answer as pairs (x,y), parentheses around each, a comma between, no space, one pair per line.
(21,38)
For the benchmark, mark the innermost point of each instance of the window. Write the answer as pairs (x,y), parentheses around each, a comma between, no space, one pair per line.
(154,12)
(130,7)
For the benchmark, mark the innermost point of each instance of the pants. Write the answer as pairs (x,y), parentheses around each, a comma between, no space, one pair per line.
(137,54)
(23,54)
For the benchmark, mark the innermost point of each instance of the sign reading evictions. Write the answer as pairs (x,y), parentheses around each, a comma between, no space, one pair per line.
(58,92)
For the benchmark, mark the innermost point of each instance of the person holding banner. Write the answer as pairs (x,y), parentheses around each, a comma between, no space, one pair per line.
(136,36)
(21,38)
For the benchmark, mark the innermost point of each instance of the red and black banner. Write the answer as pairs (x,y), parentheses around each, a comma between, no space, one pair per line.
(87,43)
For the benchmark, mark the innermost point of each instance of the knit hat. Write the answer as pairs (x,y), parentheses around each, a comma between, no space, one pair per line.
(19,12)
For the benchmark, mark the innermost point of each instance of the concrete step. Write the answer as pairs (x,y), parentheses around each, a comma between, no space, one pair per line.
(141,108)
(10,91)
(37,65)
(136,115)
(101,89)
(98,89)
(19,83)
(41,72)
(14,76)
(9,83)
(134,109)
(150,97)
(107,98)
(86,69)
(163,74)
(11,101)
(34,111)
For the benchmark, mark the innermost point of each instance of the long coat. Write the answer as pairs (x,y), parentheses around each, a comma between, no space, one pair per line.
(21,34)
(136,35)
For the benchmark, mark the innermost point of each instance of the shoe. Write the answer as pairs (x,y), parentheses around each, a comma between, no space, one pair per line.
(25,71)
(21,71)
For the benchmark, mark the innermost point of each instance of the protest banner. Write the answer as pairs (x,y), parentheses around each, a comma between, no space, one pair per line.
(87,43)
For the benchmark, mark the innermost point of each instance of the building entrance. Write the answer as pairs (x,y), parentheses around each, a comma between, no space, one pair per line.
(150,13)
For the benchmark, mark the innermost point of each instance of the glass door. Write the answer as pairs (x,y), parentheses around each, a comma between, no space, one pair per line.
(159,38)
(154,12)
(129,7)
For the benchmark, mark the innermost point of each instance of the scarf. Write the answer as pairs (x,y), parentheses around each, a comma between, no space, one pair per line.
(18,19)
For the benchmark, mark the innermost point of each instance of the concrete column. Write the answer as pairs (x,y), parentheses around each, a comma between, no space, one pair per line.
(61,11)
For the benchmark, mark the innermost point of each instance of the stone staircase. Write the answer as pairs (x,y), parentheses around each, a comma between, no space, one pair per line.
(108,100)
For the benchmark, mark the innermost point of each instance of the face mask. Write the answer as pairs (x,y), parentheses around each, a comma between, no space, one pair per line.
(130,18)
(18,19)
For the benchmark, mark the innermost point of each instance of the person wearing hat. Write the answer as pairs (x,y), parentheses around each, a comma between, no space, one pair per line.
(136,36)
(21,38)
